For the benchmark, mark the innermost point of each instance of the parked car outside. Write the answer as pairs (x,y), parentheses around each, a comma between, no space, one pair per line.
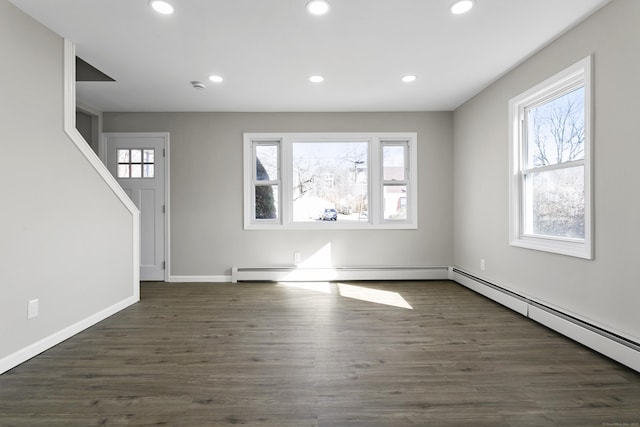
(330,215)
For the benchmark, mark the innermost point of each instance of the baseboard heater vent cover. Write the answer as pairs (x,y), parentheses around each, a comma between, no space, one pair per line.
(311,274)
(615,346)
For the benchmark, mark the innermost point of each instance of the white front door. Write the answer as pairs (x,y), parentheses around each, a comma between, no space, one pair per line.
(138,162)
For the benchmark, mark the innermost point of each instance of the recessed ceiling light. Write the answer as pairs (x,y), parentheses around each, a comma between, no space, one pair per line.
(409,79)
(162,6)
(316,79)
(318,7)
(198,85)
(462,6)
(216,79)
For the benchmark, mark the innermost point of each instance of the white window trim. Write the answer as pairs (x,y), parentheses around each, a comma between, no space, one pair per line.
(253,181)
(573,75)
(406,182)
(375,188)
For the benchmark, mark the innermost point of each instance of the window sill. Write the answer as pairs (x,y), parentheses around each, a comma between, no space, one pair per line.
(333,225)
(578,249)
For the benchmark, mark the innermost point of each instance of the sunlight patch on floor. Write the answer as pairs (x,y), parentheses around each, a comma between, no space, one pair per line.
(361,293)
(323,287)
(377,296)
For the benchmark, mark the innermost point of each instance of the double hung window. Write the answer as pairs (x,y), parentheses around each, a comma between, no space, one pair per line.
(551,164)
(395,180)
(266,181)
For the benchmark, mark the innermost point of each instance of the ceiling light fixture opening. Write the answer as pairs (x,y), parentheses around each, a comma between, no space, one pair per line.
(409,79)
(462,6)
(198,85)
(318,7)
(216,79)
(316,79)
(162,6)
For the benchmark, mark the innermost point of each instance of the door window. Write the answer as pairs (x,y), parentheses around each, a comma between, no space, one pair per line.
(136,163)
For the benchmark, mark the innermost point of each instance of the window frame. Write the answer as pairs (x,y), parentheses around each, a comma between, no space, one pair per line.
(130,163)
(406,182)
(375,182)
(576,76)
(255,182)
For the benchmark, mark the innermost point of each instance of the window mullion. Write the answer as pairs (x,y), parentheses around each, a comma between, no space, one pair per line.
(376,189)
(286,179)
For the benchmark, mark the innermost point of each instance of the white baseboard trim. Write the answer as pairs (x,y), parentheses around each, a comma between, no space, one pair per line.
(199,279)
(327,274)
(21,356)
(620,349)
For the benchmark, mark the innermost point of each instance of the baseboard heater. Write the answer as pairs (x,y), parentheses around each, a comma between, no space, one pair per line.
(619,348)
(328,274)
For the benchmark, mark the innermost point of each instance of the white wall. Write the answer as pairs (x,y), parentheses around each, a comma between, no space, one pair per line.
(604,291)
(207,235)
(65,238)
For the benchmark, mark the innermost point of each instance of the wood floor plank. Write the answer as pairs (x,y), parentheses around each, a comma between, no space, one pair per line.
(263,354)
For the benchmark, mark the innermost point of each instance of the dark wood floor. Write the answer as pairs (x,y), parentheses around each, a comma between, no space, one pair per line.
(268,355)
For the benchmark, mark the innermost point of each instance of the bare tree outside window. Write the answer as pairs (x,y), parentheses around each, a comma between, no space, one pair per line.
(330,175)
(556,130)
(304,170)
(554,185)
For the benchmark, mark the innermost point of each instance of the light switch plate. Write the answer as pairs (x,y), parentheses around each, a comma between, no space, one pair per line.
(32,308)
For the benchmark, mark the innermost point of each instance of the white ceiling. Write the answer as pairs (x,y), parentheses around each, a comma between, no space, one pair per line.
(267,49)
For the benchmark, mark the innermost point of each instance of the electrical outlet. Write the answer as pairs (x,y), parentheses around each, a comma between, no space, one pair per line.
(296,257)
(483,264)
(32,308)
